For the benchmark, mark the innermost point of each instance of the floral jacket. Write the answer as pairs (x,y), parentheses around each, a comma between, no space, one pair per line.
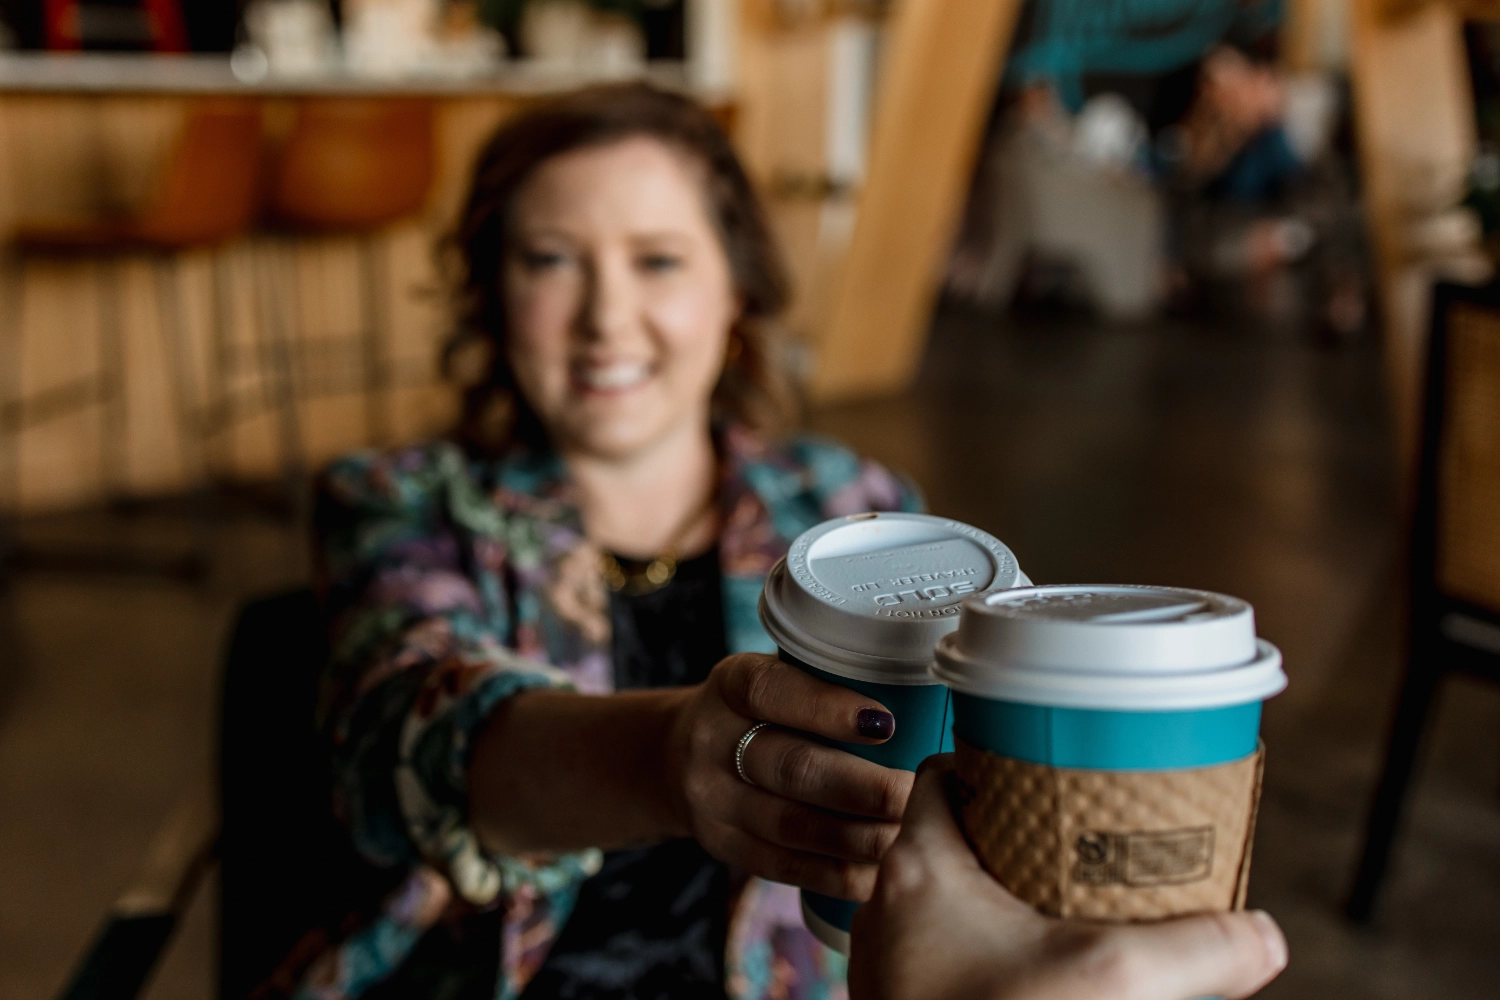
(454,584)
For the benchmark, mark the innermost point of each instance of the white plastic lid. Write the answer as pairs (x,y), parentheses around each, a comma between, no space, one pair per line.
(868,596)
(1110,647)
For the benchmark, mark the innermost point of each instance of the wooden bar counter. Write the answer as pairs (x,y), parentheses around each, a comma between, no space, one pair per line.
(87,136)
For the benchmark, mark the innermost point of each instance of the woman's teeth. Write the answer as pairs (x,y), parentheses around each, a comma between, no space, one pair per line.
(620,375)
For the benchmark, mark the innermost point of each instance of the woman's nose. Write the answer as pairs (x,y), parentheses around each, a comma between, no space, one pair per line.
(610,310)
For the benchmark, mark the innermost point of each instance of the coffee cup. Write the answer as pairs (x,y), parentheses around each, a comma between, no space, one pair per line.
(859,601)
(1108,739)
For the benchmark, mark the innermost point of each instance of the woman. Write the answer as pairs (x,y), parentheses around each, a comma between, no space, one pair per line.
(545,635)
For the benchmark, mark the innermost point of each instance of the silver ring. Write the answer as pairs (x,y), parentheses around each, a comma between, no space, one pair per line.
(739,751)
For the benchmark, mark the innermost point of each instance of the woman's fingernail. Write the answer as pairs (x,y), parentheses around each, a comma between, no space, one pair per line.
(873,724)
(1272,936)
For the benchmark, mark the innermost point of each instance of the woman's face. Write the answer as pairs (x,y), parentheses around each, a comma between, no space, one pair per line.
(618,295)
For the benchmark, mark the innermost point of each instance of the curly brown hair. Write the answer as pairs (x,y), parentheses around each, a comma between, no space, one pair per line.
(752,389)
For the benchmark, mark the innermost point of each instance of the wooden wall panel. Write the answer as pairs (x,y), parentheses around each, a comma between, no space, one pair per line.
(938,74)
(1315,35)
(1414,117)
(782,135)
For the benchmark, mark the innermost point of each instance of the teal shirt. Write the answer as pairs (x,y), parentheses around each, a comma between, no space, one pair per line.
(1061,41)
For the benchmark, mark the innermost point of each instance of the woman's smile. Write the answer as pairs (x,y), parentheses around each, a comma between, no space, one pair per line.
(603,377)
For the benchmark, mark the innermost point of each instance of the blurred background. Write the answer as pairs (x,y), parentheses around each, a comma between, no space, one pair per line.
(1143,287)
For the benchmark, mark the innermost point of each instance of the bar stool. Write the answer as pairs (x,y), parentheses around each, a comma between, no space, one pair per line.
(205,196)
(350,169)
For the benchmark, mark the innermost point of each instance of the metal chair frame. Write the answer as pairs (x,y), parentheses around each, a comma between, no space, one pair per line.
(1447,634)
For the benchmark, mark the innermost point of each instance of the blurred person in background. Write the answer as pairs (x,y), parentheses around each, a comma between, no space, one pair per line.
(1255,190)
(1182,96)
(544,631)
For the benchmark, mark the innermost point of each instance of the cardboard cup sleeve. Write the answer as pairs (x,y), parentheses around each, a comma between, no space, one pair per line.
(1113,845)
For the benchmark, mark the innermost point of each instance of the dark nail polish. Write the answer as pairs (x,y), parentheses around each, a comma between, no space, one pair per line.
(873,724)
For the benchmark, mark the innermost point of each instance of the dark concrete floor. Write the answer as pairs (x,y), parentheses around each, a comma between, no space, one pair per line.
(1213,455)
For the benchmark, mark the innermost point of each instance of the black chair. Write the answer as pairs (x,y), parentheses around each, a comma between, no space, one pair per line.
(286,866)
(1455,550)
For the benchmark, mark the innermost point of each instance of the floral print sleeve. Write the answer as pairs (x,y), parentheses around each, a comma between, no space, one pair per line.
(846,483)
(412,559)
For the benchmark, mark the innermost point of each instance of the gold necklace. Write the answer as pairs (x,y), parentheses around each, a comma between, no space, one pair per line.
(658,572)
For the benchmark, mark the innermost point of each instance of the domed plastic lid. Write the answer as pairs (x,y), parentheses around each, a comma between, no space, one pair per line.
(1110,647)
(868,596)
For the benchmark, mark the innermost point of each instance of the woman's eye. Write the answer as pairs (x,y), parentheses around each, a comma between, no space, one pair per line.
(659,262)
(542,260)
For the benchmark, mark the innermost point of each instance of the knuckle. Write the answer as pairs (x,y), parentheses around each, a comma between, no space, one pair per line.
(797,769)
(829,704)
(796,824)
(890,794)
(877,840)
(698,790)
(863,843)
(791,869)
(702,739)
(727,679)
(855,881)
(904,874)
(843,877)
(1114,969)
(757,680)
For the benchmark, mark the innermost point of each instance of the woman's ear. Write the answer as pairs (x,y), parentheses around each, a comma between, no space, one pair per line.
(738,307)
(734,348)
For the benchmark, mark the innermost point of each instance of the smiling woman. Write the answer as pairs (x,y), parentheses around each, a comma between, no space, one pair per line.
(546,646)
(715,217)
(639,273)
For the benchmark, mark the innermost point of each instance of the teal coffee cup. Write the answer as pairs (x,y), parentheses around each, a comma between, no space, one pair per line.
(1108,745)
(860,601)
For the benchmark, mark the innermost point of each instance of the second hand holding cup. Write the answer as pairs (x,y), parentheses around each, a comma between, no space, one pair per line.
(860,601)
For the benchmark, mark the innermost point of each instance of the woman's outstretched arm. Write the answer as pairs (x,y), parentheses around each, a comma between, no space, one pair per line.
(555,770)
(451,748)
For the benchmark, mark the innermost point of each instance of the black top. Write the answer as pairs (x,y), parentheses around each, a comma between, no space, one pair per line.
(652,924)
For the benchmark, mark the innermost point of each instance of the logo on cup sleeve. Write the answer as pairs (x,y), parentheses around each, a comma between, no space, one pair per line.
(1144,859)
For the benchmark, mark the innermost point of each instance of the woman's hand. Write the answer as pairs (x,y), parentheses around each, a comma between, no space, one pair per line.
(815,817)
(938,927)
